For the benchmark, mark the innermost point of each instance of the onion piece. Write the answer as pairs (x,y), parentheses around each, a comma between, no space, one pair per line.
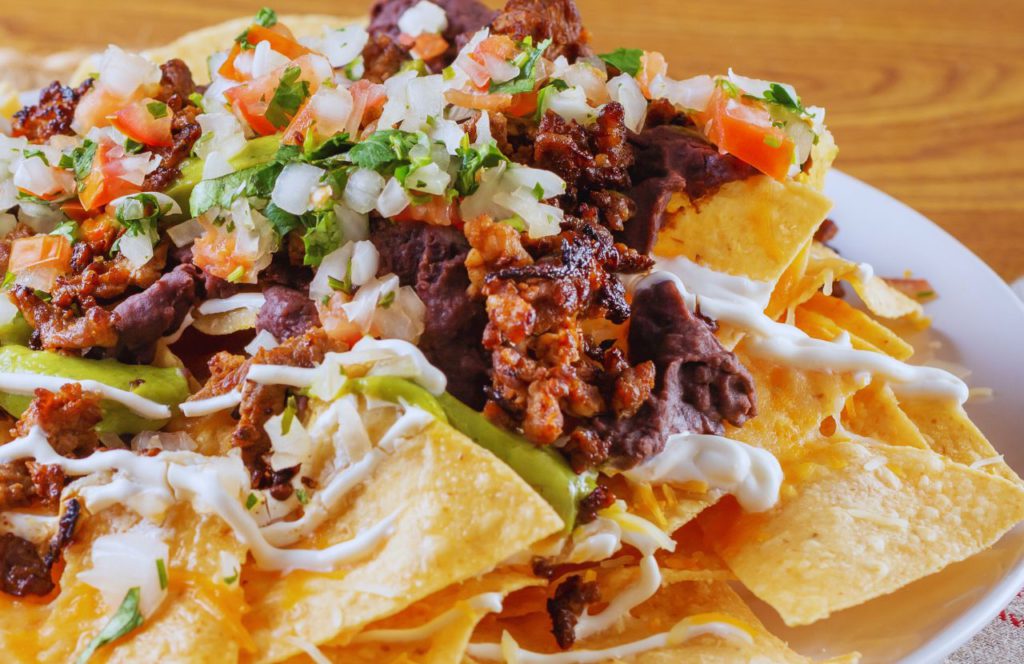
(393,199)
(363,189)
(423,17)
(293,190)
(625,90)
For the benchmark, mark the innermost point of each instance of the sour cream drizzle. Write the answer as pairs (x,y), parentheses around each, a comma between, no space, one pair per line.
(751,474)
(201,481)
(740,302)
(210,405)
(252,301)
(483,603)
(27,383)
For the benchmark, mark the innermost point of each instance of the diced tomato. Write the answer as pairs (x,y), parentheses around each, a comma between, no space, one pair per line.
(438,212)
(429,46)
(295,134)
(652,64)
(335,322)
(39,259)
(94,109)
(281,41)
(482,102)
(147,121)
(73,210)
(105,182)
(523,104)
(743,128)
(251,100)
(368,101)
(500,46)
(214,252)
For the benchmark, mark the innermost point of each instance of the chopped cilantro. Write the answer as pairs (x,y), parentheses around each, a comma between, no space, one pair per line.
(231,579)
(157,109)
(266,17)
(474,159)
(197,100)
(302,496)
(288,97)
(236,275)
(729,87)
(343,285)
(28,154)
(386,300)
(448,73)
(68,228)
(257,181)
(322,235)
(626,60)
(131,146)
(538,191)
(161,572)
(777,94)
(526,80)
(556,85)
(355,69)
(515,222)
(251,501)
(80,161)
(417,66)
(283,222)
(8,281)
(288,416)
(125,619)
(384,151)
(773,140)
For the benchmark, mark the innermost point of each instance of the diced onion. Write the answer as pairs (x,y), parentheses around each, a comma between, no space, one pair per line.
(122,73)
(265,60)
(365,262)
(294,187)
(423,17)
(263,339)
(689,94)
(524,177)
(127,560)
(571,104)
(363,189)
(500,70)
(137,249)
(625,90)
(393,199)
(291,448)
(332,108)
(429,179)
(185,233)
(170,441)
(343,46)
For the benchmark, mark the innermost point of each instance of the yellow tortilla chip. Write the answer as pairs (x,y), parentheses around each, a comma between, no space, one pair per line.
(452,525)
(196,46)
(758,224)
(823,154)
(859,325)
(861,522)
(875,413)
(950,432)
(199,620)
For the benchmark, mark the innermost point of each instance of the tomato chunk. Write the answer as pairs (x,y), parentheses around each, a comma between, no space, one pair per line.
(744,129)
(147,121)
(279,40)
(105,181)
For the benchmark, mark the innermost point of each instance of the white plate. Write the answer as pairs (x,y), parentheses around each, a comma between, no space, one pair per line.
(980,323)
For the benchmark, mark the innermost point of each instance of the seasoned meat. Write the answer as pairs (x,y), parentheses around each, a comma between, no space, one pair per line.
(826,232)
(544,370)
(672,159)
(465,17)
(383,57)
(16,486)
(432,259)
(65,531)
(67,417)
(144,317)
(52,115)
(286,313)
(699,386)
(57,328)
(571,597)
(558,20)
(597,500)
(22,570)
(176,85)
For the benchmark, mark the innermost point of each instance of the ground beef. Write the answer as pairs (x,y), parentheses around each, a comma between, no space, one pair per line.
(52,115)
(22,570)
(286,313)
(595,501)
(144,317)
(432,259)
(672,159)
(826,232)
(571,598)
(558,20)
(383,58)
(67,417)
(65,531)
(57,328)
(16,486)
(176,85)
(700,385)
(545,371)
(465,17)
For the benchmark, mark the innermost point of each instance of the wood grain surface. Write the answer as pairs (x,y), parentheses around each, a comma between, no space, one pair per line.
(925,97)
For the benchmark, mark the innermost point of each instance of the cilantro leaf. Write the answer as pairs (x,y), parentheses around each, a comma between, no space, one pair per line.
(322,236)
(131,146)
(526,80)
(386,300)
(221,192)
(474,159)
(125,619)
(266,17)
(626,60)
(556,85)
(283,222)
(777,94)
(28,154)
(251,500)
(288,97)
(68,228)
(161,573)
(384,151)
(157,109)
(80,160)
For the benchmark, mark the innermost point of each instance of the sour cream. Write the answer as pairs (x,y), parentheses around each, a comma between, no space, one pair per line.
(28,383)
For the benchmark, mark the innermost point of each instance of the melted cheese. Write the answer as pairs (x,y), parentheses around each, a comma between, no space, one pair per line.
(751,474)
(28,383)
(483,603)
(740,302)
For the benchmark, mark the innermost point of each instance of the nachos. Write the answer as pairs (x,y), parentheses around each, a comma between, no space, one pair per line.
(447,338)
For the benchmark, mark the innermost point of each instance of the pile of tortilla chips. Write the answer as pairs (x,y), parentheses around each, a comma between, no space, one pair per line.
(878,492)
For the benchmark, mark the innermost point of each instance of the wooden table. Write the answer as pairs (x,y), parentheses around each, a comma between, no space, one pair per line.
(926,98)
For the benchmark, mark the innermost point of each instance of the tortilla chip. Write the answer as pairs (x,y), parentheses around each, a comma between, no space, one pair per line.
(861,522)
(950,432)
(199,620)
(20,622)
(790,288)
(196,46)
(823,154)
(791,403)
(875,413)
(759,223)
(227,322)
(452,525)
(859,325)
